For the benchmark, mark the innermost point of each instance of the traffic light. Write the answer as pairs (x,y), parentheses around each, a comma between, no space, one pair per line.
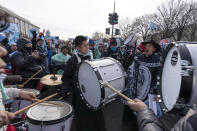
(110,21)
(117,32)
(107,31)
(115,18)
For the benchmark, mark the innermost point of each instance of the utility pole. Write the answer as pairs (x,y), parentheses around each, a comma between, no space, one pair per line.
(113,20)
(113,24)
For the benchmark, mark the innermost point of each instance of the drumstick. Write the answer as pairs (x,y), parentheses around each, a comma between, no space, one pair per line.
(52,103)
(36,103)
(31,77)
(106,84)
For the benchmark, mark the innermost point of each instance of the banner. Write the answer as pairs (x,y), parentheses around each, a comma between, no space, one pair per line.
(13,32)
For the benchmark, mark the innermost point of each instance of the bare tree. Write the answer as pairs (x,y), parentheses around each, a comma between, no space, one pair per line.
(191,30)
(183,19)
(173,17)
(97,35)
(125,27)
(165,19)
(141,26)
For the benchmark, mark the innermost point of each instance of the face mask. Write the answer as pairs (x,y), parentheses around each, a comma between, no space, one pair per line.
(113,48)
(29,49)
(2,77)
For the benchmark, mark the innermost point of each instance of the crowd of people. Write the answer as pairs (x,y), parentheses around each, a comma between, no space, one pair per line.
(26,56)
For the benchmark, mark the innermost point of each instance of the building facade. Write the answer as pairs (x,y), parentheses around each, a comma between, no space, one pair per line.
(23,24)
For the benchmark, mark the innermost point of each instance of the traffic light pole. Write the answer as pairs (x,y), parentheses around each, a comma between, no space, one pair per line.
(113,24)
(112,34)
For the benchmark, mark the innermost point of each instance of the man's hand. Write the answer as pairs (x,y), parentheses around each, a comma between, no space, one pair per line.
(20,86)
(6,118)
(137,105)
(35,55)
(29,96)
(156,98)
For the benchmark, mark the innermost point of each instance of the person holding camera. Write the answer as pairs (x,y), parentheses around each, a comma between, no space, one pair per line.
(26,61)
(43,55)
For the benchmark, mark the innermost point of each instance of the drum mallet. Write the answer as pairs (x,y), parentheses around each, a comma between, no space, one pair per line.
(32,77)
(36,103)
(106,84)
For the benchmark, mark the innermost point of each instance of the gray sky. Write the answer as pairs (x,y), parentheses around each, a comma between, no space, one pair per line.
(68,18)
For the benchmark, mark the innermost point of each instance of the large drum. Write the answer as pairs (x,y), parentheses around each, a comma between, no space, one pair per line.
(47,117)
(177,79)
(92,74)
(18,104)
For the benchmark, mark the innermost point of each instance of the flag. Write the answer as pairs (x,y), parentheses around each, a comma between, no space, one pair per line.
(152,26)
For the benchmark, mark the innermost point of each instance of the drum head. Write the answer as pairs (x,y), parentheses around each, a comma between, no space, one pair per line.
(49,113)
(91,90)
(36,92)
(143,84)
(171,78)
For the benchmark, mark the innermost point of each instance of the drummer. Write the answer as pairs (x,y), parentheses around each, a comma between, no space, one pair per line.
(86,118)
(7,117)
(150,60)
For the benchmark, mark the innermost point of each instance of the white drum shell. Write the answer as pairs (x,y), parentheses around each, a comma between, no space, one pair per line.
(55,127)
(63,121)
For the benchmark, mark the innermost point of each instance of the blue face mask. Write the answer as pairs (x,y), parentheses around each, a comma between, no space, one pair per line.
(113,48)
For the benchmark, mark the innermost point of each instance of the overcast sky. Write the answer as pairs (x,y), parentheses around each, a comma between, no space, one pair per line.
(68,18)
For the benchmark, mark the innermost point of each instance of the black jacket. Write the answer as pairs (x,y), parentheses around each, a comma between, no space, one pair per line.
(147,121)
(25,63)
(153,64)
(43,58)
(143,85)
(86,118)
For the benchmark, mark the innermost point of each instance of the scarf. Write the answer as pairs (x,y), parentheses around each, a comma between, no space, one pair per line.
(2,77)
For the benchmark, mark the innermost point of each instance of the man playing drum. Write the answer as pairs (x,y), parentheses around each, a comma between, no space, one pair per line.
(87,119)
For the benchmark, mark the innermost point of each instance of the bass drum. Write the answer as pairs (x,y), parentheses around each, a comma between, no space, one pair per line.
(176,81)
(92,74)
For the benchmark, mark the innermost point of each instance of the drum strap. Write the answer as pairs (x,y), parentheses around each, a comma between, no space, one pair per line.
(136,72)
(79,59)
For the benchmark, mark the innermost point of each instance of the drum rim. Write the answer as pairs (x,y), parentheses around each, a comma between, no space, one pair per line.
(83,98)
(162,104)
(51,122)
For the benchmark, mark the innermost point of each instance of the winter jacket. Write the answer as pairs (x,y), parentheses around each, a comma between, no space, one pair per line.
(25,63)
(11,93)
(43,58)
(146,70)
(86,119)
(147,121)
